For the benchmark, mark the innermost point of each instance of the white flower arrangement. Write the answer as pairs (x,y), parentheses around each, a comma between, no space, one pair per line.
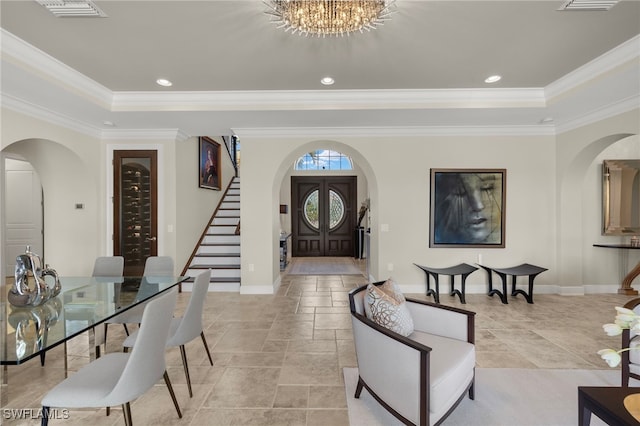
(626,319)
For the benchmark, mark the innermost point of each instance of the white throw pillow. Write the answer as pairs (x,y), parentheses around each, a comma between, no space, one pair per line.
(385,305)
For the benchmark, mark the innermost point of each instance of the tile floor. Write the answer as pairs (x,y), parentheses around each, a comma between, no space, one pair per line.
(278,359)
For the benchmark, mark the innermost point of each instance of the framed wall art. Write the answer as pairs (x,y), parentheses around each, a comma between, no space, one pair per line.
(209,163)
(467,208)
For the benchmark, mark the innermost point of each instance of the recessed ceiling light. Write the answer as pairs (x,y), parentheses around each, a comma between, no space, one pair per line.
(109,123)
(546,120)
(493,79)
(164,82)
(327,81)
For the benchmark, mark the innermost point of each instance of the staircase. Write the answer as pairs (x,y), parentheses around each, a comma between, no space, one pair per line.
(219,249)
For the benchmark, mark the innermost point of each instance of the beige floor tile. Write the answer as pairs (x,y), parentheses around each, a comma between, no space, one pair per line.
(315,300)
(292,397)
(243,387)
(324,334)
(312,346)
(333,321)
(251,417)
(290,330)
(257,359)
(310,369)
(327,397)
(333,310)
(241,341)
(327,417)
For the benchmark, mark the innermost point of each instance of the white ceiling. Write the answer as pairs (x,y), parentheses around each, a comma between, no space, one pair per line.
(232,70)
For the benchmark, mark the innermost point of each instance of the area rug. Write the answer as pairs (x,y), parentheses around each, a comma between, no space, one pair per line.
(323,266)
(503,397)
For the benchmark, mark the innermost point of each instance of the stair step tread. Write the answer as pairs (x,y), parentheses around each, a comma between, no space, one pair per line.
(216,280)
(210,266)
(228,211)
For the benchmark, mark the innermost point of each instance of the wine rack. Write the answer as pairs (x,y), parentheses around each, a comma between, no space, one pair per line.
(135,218)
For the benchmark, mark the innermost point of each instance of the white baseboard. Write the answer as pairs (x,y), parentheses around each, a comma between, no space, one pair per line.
(601,288)
(537,289)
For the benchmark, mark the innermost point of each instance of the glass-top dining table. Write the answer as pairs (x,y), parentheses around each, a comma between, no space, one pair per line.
(83,303)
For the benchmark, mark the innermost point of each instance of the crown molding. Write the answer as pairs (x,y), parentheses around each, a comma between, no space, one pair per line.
(52,117)
(47,115)
(608,111)
(145,134)
(616,57)
(24,54)
(390,131)
(332,99)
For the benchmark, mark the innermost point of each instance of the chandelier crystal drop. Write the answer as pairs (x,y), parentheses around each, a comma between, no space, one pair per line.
(329,17)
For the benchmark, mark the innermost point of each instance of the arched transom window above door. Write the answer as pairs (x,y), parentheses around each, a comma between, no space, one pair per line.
(324,159)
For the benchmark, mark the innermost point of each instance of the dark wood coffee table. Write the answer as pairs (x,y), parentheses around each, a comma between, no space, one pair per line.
(606,403)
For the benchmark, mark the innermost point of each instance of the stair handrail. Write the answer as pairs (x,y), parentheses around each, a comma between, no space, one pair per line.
(231,143)
(204,232)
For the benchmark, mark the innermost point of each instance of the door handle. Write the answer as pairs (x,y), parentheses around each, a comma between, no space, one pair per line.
(150,239)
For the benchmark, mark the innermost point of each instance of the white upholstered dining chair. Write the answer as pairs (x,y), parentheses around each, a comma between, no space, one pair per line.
(188,327)
(155,266)
(118,378)
(108,266)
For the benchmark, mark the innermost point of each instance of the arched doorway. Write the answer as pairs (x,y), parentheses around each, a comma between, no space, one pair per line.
(366,189)
(579,214)
(70,204)
(23,210)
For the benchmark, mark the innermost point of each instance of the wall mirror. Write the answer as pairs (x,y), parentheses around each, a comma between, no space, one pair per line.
(621,197)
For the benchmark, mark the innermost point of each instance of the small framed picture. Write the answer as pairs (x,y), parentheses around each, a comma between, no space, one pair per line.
(209,156)
(467,208)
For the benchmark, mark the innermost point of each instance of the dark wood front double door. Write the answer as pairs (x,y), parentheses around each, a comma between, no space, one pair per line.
(323,216)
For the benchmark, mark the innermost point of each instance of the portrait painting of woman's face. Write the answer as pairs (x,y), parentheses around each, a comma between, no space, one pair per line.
(467,207)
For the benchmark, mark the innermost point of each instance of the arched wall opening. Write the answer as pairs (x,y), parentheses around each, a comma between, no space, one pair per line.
(281,185)
(580,210)
(71,225)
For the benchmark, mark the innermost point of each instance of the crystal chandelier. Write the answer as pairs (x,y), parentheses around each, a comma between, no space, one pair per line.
(329,17)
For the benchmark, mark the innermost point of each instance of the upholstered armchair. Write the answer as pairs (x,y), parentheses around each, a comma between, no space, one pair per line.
(630,364)
(422,377)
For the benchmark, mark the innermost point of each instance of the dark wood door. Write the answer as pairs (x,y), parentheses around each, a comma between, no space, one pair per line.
(323,215)
(135,208)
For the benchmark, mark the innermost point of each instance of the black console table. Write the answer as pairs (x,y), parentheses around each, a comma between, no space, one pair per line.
(284,257)
(625,286)
(525,269)
(462,269)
